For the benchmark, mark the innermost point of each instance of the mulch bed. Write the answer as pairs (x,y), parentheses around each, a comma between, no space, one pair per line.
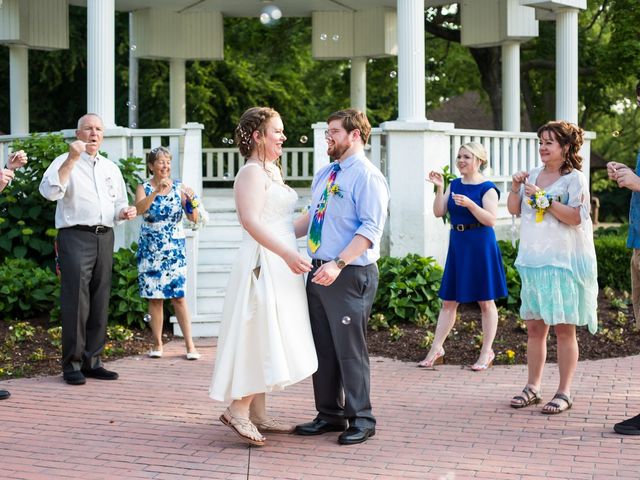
(38,355)
(617,337)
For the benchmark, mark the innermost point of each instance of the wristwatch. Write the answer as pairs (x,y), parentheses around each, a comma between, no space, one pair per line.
(340,262)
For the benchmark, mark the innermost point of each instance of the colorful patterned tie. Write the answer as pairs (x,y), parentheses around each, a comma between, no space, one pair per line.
(316,225)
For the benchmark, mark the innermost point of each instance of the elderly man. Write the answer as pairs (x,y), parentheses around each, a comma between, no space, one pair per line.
(92,198)
(16,160)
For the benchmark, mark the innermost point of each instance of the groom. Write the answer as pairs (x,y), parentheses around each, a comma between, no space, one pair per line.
(349,200)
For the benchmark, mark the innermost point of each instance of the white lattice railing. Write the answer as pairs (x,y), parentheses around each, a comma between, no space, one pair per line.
(508,152)
(222,164)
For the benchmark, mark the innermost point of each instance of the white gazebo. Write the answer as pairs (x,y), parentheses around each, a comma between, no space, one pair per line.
(406,147)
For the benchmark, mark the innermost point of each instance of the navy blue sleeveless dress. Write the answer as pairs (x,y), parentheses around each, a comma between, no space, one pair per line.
(473,271)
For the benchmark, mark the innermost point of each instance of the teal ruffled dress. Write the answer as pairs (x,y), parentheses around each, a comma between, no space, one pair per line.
(556,261)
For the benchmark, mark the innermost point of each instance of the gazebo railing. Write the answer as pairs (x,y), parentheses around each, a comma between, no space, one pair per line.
(508,152)
(222,164)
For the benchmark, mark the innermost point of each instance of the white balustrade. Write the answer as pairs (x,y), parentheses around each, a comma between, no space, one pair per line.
(222,164)
(508,153)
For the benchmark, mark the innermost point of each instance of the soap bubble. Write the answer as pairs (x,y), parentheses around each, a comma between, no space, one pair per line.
(230,141)
(616,133)
(146,318)
(133,125)
(225,140)
(133,48)
(265,18)
(323,37)
(335,38)
(270,15)
(304,139)
(274,11)
(226,176)
(393,74)
(133,107)
(346,320)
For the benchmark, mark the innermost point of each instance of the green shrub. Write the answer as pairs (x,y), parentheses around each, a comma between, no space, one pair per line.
(509,254)
(408,289)
(27,290)
(613,262)
(26,217)
(126,306)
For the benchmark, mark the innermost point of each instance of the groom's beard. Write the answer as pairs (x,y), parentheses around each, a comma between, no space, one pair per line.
(336,151)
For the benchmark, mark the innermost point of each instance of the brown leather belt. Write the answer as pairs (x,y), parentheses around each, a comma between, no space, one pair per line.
(462,227)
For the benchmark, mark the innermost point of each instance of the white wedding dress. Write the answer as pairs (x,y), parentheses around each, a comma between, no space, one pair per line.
(265,341)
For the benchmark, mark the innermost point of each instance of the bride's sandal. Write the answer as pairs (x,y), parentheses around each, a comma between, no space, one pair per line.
(528,397)
(553,408)
(243,427)
(273,425)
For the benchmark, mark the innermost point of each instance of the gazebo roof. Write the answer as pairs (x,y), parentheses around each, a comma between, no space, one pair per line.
(251,8)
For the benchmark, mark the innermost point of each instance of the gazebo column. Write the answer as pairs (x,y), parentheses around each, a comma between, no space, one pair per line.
(101,60)
(359,83)
(177,93)
(511,86)
(567,65)
(411,92)
(19,88)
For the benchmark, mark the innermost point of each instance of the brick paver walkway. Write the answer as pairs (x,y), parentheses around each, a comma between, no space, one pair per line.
(451,424)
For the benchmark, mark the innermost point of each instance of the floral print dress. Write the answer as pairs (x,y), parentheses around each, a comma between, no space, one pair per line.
(162,264)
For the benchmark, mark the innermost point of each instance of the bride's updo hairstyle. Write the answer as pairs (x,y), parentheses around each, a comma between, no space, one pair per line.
(570,137)
(254,119)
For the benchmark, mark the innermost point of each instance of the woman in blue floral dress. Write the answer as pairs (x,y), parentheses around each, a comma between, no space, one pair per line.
(162,264)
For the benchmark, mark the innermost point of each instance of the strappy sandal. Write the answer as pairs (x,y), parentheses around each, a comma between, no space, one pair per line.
(273,425)
(530,397)
(553,408)
(243,428)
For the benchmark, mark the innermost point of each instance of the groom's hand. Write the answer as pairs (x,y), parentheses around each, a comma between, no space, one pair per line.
(326,274)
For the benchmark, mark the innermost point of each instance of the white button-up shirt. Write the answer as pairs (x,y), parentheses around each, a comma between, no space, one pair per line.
(94,194)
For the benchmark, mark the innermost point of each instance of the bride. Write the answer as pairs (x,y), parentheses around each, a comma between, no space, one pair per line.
(265,341)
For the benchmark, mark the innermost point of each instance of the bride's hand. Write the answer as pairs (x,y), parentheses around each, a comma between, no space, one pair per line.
(296,262)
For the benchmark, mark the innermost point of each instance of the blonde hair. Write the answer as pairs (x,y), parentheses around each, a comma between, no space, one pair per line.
(477,150)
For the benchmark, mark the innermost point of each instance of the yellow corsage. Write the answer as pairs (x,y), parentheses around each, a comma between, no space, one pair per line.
(540,202)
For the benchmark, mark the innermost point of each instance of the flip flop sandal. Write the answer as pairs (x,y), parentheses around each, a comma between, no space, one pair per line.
(242,427)
(530,398)
(557,408)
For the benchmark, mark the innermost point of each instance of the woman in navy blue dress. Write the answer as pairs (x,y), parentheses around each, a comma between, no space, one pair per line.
(473,271)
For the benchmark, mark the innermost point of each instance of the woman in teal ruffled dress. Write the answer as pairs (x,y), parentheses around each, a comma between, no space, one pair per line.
(556,259)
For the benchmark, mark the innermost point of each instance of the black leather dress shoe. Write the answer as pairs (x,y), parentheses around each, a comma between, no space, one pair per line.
(4,394)
(355,435)
(318,427)
(100,373)
(74,378)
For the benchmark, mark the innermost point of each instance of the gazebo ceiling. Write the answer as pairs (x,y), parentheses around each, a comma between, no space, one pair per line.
(252,8)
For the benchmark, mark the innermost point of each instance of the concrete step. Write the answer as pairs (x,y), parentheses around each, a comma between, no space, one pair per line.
(213,276)
(217,252)
(221,230)
(210,300)
(201,326)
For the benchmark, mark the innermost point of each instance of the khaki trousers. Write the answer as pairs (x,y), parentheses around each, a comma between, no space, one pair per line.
(635,284)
